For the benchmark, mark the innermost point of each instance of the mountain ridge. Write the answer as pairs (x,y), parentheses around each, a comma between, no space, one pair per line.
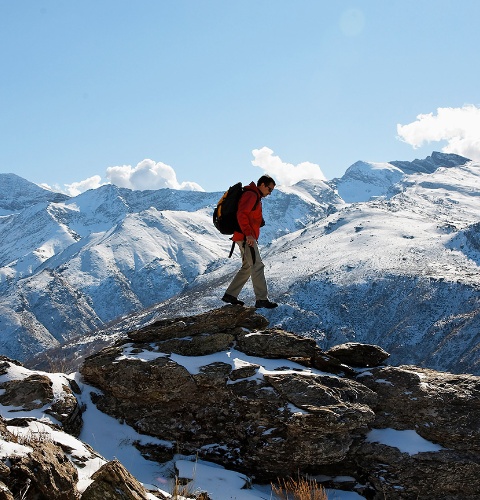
(112,253)
(17,193)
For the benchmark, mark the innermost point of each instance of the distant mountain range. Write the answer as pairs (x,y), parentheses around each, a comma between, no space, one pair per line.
(388,254)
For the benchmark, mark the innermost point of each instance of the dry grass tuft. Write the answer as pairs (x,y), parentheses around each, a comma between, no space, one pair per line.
(299,489)
(31,437)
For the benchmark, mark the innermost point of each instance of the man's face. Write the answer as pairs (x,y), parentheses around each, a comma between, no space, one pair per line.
(266,189)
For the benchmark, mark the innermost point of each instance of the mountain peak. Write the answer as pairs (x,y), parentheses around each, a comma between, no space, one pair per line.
(16,193)
(365,180)
(431,163)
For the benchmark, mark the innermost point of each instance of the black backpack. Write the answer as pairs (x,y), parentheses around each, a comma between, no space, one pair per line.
(225,213)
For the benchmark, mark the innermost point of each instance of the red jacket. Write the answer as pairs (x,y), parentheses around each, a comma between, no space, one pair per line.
(249,220)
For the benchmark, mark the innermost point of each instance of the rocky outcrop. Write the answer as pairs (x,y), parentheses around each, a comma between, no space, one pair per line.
(207,385)
(440,407)
(37,469)
(35,391)
(224,387)
(113,481)
(231,411)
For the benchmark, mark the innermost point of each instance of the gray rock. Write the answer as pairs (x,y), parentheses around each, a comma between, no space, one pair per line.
(359,355)
(36,392)
(113,481)
(275,344)
(264,425)
(267,423)
(45,472)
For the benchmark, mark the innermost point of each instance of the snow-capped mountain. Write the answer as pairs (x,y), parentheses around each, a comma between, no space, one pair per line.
(401,273)
(382,255)
(364,181)
(71,266)
(17,193)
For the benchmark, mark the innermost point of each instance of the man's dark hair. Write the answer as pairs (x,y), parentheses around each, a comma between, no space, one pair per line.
(266,180)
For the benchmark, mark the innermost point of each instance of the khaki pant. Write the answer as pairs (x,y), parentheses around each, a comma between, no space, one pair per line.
(249,269)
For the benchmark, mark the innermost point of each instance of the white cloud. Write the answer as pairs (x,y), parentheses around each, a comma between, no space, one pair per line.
(460,127)
(76,188)
(148,175)
(285,174)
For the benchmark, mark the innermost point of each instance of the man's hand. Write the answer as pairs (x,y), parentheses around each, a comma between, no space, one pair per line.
(250,241)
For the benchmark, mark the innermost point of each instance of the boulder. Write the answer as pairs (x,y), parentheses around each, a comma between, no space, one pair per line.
(441,407)
(30,393)
(36,391)
(113,482)
(275,344)
(359,355)
(43,471)
(224,319)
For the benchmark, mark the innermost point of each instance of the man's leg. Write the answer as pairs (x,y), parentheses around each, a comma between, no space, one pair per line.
(243,273)
(258,274)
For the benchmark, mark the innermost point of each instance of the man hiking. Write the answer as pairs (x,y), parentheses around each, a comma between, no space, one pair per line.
(250,219)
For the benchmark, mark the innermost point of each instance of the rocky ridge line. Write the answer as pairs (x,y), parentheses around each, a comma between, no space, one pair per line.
(224,387)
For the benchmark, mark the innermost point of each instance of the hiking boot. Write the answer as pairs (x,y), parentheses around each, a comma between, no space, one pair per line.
(265,303)
(232,300)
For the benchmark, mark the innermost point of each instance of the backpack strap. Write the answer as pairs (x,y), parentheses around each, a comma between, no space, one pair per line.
(231,249)
(245,189)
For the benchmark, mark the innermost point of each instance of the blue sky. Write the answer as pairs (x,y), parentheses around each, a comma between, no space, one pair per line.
(200,89)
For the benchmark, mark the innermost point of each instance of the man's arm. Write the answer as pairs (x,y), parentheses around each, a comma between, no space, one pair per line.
(245,207)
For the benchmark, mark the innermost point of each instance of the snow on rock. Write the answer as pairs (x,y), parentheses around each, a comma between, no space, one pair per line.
(210,401)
